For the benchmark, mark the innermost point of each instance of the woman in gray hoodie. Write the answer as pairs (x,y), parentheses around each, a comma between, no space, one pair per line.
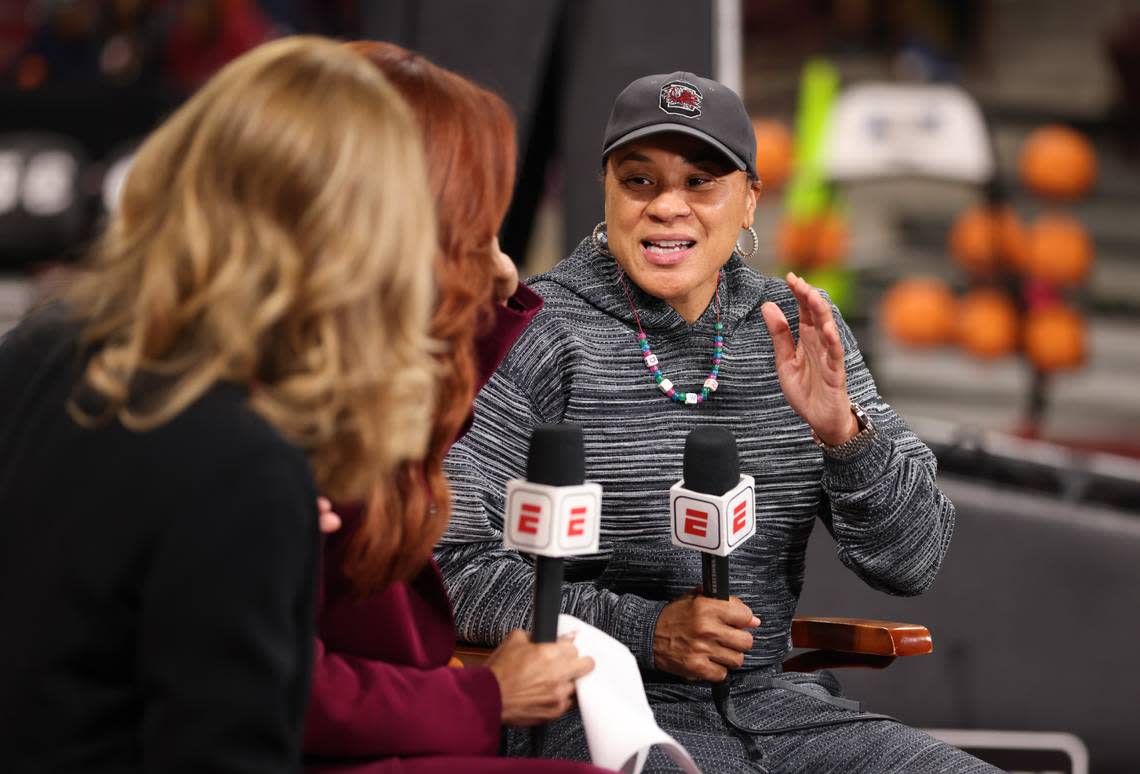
(653,326)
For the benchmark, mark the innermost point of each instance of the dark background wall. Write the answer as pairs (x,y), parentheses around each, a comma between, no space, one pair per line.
(559,63)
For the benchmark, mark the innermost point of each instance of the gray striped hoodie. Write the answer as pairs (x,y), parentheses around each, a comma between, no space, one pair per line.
(579,361)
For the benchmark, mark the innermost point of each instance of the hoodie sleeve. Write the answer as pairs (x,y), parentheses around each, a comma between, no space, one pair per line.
(891,523)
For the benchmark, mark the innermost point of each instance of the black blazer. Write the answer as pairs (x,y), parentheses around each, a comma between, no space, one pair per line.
(156,588)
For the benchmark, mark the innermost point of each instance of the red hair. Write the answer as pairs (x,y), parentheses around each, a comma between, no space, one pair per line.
(469,142)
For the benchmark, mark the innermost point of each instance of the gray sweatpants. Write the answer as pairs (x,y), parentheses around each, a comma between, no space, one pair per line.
(688,714)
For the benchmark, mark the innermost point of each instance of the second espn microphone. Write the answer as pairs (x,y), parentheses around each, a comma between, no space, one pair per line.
(713,509)
(552,514)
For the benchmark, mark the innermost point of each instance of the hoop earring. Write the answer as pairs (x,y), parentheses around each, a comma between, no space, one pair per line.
(599,238)
(755,245)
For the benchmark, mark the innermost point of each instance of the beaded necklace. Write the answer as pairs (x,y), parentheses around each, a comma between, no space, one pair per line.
(651,362)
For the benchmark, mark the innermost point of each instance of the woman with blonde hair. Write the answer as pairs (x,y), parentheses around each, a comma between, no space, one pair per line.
(250,330)
(384,698)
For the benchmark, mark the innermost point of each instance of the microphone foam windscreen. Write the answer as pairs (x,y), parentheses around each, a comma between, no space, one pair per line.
(556,456)
(711,462)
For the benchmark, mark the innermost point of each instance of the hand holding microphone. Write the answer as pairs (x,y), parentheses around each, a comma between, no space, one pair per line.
(699,638)
(713,511)
(536,681)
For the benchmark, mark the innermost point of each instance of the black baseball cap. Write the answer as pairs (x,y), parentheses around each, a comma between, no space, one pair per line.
(685,103)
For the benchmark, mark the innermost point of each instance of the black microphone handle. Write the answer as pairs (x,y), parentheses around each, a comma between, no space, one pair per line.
(714,579)
(547,598)
(544,628)
(714,576)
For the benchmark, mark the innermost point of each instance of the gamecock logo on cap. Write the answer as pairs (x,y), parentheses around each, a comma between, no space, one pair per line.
(681,99)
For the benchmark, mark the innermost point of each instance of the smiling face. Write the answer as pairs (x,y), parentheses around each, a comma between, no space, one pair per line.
(674,209)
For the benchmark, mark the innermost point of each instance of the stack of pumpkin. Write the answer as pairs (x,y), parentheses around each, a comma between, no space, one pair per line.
(1019,275)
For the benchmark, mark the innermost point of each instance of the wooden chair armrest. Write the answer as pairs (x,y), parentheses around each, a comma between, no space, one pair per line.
(873,643)
(861,635)
(470,655)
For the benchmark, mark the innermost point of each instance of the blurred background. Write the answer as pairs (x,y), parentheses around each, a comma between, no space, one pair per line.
(962,176)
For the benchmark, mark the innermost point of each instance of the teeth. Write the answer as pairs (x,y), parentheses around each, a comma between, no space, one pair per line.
(668,245)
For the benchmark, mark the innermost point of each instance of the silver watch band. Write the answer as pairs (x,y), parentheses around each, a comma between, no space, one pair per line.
(854,445)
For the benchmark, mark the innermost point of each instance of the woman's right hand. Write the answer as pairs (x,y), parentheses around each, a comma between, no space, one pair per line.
(536,681)
(700,638)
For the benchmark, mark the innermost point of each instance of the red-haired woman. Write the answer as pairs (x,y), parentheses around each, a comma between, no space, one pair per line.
(383,696)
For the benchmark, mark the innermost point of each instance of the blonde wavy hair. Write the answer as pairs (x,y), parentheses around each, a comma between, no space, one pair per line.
(256,243)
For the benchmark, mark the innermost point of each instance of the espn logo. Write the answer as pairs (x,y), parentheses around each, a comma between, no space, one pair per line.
(739,517)
(696,522)
(576,526)
(530,514)
(716,525)
(552,520)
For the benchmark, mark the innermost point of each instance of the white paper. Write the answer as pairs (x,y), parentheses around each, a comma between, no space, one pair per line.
(620,728)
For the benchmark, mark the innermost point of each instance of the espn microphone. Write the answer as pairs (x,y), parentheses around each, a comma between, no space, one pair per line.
(713,509)
(552,514)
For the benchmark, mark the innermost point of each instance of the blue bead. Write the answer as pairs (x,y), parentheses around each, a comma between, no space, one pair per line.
(718,339)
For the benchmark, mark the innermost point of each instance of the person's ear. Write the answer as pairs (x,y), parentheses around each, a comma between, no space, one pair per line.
(751,196)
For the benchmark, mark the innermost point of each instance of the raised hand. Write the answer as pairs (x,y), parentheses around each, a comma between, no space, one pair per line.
(700,638)
(812,374)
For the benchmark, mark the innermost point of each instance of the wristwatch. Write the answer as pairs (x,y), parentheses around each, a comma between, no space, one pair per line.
(858,442)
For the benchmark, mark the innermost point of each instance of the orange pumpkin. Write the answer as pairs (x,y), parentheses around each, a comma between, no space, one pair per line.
(920,312)
(1060,251)
(1058,163)
(988,324)
(816,243)
(774,152)
(795,242)
(985,239)
(1055,338)
(831,240)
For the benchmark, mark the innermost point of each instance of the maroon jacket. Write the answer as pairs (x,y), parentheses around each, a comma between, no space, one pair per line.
(382,690)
